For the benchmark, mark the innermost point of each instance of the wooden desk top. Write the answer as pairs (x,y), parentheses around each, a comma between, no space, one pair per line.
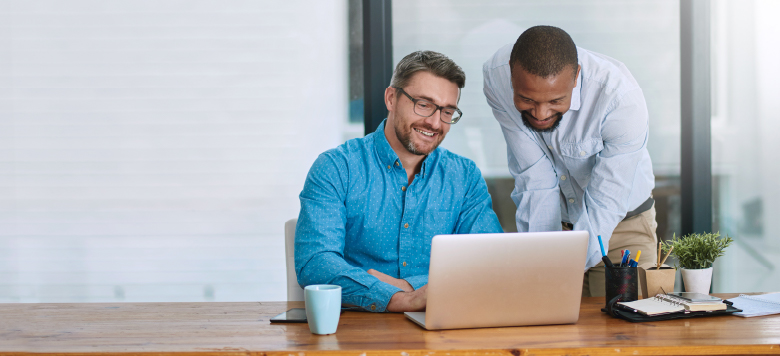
(244,329)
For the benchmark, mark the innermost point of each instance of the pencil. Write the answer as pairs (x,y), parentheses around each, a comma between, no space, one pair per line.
(658,258)
(667,255)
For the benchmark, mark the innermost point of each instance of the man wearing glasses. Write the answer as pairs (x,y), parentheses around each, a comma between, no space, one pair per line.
(370,207)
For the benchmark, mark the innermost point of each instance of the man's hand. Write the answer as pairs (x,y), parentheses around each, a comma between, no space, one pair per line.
(409,301)
(400,283)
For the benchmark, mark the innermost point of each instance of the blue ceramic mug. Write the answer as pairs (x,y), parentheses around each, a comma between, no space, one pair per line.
(323,308)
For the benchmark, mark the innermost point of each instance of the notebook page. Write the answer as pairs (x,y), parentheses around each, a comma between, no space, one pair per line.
(757,305)
(770,297)
(653,306)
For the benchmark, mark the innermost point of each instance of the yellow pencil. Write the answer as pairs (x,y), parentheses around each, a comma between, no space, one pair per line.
(638,253)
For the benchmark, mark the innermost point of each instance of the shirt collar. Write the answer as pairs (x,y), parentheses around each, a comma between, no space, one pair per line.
(389,157)
(575,93)
(383,149)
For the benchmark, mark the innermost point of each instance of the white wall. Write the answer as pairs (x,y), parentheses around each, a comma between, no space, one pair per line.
(152,150)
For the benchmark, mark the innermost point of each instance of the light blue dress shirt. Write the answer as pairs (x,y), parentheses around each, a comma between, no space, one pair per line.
(357,213)
(590,171)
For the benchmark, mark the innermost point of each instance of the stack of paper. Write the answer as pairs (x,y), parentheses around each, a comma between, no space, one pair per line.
(757,305)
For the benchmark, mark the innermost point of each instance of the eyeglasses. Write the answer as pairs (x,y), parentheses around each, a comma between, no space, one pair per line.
(426,108)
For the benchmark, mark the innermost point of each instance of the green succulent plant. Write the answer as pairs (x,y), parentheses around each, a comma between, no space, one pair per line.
(696,251)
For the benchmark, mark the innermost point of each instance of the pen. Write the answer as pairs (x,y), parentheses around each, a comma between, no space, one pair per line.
(636,259)
(602,247)
(604,257)
(625,258)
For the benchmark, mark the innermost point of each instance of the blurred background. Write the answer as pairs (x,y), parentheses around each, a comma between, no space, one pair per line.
(152,150)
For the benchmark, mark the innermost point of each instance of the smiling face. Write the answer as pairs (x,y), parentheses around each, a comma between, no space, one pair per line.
(543,101)
(412,133)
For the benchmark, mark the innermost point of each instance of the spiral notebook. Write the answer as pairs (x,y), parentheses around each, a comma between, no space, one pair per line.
(667,304)
(757,305)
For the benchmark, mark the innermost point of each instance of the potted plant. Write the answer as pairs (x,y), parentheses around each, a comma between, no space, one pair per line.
(695,254)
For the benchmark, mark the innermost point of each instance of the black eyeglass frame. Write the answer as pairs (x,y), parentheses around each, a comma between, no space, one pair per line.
(438,108)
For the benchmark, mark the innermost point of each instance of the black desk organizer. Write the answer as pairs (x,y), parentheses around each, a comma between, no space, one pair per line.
(621,312)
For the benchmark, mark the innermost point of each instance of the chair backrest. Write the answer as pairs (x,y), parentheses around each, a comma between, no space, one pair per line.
(294,291)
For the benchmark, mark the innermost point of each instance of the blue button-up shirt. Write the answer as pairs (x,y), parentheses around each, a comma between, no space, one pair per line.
(590,171)
(357,213)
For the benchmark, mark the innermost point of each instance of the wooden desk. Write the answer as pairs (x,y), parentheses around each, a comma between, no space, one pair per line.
(243,329)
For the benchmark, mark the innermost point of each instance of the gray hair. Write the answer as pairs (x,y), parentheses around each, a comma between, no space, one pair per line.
(429,61)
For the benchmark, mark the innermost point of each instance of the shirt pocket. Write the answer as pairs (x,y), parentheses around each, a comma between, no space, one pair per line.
(580,158)
(436,223)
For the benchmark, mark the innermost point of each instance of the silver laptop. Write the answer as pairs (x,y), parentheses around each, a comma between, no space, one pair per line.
(510,279)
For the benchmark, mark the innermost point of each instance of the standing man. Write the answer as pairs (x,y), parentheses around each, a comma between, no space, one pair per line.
(370,207)
(576,128)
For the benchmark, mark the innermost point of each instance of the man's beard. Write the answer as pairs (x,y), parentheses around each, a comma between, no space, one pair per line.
(405,137)
(557,117)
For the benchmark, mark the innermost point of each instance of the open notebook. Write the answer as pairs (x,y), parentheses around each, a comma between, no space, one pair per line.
(757,305)
(667,304)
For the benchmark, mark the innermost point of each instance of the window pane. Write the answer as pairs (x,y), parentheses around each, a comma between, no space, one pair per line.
(356,101)
(644,35)
(152,150)
(745,148)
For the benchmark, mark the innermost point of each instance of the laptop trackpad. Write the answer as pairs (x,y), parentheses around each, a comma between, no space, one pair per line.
(417,317)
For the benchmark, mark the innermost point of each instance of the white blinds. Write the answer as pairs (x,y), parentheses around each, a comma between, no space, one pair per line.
(152,150)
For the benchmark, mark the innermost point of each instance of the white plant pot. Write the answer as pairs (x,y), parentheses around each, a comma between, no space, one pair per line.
(697,280)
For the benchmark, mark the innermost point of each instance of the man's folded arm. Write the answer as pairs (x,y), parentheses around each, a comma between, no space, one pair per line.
(320,238)
(417,281)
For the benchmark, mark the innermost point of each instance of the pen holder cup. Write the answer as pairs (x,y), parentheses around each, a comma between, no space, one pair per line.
(656,281)
(623,282)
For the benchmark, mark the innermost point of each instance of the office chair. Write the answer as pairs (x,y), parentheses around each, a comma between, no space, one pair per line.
(294,291)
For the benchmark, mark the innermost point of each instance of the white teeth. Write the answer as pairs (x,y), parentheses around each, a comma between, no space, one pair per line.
(426,133)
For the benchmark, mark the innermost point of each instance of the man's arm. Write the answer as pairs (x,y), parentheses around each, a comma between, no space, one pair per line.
(625,134)
(400,283)
(320,237)
(409,299)
(536,193)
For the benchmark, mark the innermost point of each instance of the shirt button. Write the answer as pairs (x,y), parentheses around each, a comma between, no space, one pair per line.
(563,177)
(388,167)
(571,201)
(404,263)
(406,225)
(403,188)
(396,163)
(582,153)
(373,306)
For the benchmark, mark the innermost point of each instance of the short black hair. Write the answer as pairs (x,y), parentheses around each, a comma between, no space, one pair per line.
(544,51)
